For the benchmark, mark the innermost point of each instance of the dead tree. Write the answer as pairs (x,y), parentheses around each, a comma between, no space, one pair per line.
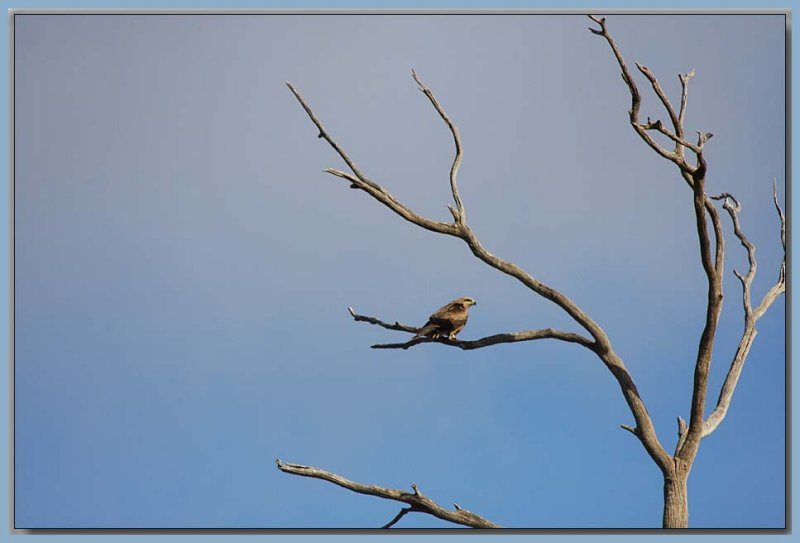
(675,467)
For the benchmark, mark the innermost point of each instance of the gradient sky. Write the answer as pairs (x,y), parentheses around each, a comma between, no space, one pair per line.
(183,268)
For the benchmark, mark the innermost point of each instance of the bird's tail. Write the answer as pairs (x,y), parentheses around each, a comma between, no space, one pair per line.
(425,330)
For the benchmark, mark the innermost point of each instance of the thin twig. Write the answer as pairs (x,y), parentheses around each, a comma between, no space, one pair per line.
(372,320)
(676,124)
(324,134)
(458,214)
(397,517)
(780,212)
(684,101)
(630,429)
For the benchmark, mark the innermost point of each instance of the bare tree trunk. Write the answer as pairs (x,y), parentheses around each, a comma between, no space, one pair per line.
(676,501)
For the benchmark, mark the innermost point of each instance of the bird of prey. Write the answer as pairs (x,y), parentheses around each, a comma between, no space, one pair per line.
(448,320)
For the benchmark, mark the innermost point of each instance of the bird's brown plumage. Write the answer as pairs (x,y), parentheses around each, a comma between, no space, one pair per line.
(448,320)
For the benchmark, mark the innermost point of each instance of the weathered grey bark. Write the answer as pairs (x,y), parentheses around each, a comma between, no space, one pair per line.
(712,256)
(676,467)
(676,497)
(416,500)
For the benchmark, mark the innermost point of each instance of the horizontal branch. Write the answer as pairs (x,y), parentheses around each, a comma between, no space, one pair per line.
(418,501)
(508,337)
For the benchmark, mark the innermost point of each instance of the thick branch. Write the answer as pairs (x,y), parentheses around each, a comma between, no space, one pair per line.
(733,207)
(713,310)
(418,501)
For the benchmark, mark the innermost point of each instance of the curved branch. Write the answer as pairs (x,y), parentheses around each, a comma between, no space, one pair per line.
(460,230)
(418,501)
(602,344)
(733,207)
(458,214)
(398,516)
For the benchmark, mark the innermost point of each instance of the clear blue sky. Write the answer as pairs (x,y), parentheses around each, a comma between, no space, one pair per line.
(183,268)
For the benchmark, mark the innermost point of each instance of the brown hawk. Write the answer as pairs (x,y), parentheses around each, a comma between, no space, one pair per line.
(448,320)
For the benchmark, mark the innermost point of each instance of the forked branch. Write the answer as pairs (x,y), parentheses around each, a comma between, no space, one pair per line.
(711,253)
(417,501)
(751,315)
(689,436)
(600,342)
(459,228)
(636,101)
(360,181)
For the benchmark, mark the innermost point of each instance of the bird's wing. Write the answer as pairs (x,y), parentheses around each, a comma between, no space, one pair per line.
(443,313)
